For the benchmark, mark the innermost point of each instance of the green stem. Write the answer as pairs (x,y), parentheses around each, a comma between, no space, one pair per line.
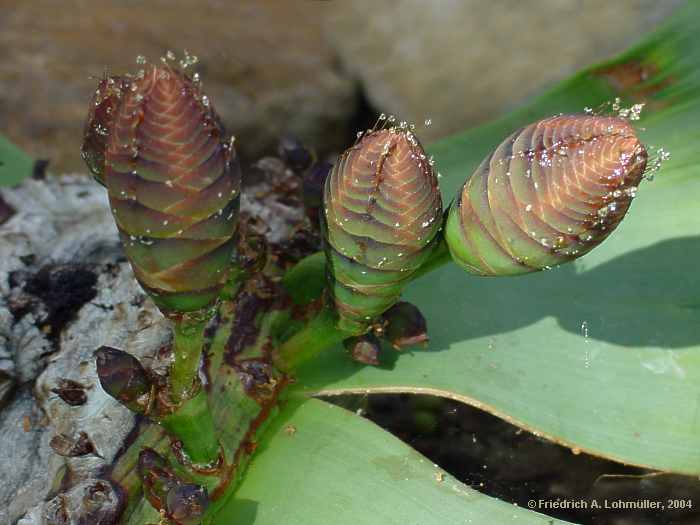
(319,334)
(188,341)
(306,280)
(304,283)
(193,424)
(439,257)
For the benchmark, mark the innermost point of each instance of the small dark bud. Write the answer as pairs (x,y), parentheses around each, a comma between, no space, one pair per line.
(252,252)
(186,504)
(39,169)
(258,379)
(123,377)
(6,211)
(405,325)
(70,392)
(312,186)
(72,447)
(157,477)
(294,154)
(364,349)
(149,459)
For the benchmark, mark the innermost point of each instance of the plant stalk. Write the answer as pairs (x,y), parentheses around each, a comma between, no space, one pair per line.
(188,342)
(319,334)
(193,425)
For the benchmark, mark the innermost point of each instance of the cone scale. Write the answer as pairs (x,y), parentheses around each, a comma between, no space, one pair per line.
(548,194)
(382,211)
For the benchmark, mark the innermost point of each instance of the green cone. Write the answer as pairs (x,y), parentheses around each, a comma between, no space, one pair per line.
(382,211)
(173,181)
(550,193)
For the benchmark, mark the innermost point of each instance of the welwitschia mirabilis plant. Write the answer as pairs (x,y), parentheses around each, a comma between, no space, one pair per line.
(548,194)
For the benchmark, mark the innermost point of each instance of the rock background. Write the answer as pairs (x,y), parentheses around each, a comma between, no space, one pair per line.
(461,62)
(65,290)
(264,64)
(273,66)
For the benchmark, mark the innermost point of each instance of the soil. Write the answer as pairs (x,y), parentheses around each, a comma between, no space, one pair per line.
(506,462)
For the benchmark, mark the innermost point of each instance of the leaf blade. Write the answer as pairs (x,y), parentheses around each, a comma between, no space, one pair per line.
(339,468)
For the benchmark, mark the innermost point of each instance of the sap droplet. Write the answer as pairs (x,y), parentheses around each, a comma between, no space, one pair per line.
(584,333)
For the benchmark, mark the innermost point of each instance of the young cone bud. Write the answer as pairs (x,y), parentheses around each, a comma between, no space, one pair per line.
(294,154)
(548,194)
(123,377)
(364,349)
(185,504)
(382,211)
(312,189)
(173,183)
(157,476)
(405,325)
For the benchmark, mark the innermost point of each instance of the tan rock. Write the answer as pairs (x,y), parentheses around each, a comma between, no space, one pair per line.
(264,64)
(460,62)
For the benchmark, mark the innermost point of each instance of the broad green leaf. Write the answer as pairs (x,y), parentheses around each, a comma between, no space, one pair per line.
(320,464)
(602,355)
(15,165)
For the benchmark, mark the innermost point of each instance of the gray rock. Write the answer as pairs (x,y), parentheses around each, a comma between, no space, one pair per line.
(66,222)
(460,62)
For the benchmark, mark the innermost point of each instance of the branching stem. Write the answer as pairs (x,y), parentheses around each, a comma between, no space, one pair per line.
(319,334)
